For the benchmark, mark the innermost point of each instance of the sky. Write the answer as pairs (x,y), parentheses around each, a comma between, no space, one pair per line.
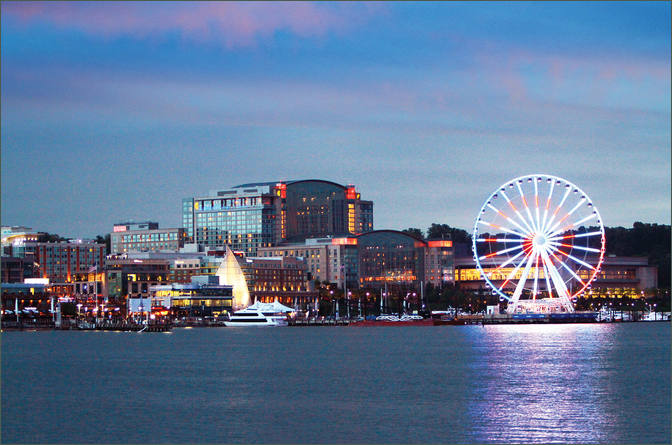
(116,111)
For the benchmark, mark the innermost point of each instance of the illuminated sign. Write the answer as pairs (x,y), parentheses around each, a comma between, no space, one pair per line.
(350,193)
(440,243)
(36,280)
(344,241)
(119,228)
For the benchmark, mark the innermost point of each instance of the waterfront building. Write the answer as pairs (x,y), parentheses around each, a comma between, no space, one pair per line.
(14,239)
(25,295)
(372,259)
(282,279)
(145,237)
(13,269)
(59,262)
(181,270)
(90,284)
(251,216)
(132,225)
(618,277)
(390,257)
(327,259)
(195,299)
(128,277)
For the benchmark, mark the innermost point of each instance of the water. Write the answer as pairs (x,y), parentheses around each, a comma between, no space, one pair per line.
(449,384)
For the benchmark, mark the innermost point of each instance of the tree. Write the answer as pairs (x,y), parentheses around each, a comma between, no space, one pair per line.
(444,231)
(105,240)
(50,238)
(414,232)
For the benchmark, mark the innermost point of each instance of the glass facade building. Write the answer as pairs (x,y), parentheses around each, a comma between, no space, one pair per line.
(146,240)
(393,257)
(250,216)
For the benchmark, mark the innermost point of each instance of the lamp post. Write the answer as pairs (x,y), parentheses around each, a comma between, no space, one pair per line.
(348,305)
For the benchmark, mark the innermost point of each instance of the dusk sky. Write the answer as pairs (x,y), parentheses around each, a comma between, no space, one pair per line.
(117,111)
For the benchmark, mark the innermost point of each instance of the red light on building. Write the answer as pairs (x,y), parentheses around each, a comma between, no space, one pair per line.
(344,241)
(119,229)
(351,193)
(440,243)
(283,189)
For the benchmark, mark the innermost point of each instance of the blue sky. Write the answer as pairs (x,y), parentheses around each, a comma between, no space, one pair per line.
(116,111)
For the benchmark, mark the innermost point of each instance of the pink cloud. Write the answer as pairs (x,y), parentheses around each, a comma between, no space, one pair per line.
(234,24)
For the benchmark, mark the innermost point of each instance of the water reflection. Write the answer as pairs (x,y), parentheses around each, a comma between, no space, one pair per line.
(548,383)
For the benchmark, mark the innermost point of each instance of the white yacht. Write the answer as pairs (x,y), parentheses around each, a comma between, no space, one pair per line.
(260,314)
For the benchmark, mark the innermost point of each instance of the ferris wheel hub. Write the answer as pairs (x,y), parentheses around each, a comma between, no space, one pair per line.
(538,241)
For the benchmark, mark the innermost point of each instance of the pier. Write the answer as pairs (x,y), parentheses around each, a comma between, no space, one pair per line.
(318,322)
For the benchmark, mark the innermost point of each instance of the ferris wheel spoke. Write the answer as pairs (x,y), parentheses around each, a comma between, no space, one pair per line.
(500,240)
(569,269)
(514,271)
(536,204)
(546,207)
(557,209)
(504,229)
(505,263)
(536,276)
(576,260)
(574,246)
(508,218)
(529,229)
(548,283)
(579,235)
(557,280)
(501,252)
(567,216)
(527,207)
(521,282)
(575,224)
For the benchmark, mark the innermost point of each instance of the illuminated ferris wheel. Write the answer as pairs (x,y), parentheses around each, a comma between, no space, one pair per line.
(538,242)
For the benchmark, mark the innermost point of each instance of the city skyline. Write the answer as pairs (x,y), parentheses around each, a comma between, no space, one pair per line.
(117,111)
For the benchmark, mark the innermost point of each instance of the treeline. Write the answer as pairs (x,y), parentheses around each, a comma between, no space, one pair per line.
(643,240)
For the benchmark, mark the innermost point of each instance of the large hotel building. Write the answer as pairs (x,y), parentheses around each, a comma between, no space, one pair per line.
(250,216)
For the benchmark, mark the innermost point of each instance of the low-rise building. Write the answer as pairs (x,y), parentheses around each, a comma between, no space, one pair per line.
(281,278)
(59,262)
(14,239)
(128,277)
(327,259)
(145,237)
(619,276)
(193,299)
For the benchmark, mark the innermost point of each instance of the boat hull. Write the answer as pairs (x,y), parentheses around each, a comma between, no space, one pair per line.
(424,322)
(261,324)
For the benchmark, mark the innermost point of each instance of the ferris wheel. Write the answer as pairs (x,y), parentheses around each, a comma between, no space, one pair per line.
(538,241)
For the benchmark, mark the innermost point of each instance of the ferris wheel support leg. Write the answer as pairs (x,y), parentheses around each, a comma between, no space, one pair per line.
(513,304)
(560,287)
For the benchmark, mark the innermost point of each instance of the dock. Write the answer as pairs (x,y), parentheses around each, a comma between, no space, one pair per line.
(318,322)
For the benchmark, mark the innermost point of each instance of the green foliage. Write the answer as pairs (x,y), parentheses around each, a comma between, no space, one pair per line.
(444,231)
(104,240)
(414,232)
(649,240)
(50,238)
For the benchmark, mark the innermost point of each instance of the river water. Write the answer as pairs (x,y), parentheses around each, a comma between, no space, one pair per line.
(582,383)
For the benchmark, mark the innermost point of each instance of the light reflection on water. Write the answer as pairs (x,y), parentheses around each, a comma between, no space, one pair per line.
(451,384)
(555,383)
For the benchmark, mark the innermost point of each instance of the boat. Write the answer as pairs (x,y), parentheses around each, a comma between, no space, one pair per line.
(393,320)
(260,315)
